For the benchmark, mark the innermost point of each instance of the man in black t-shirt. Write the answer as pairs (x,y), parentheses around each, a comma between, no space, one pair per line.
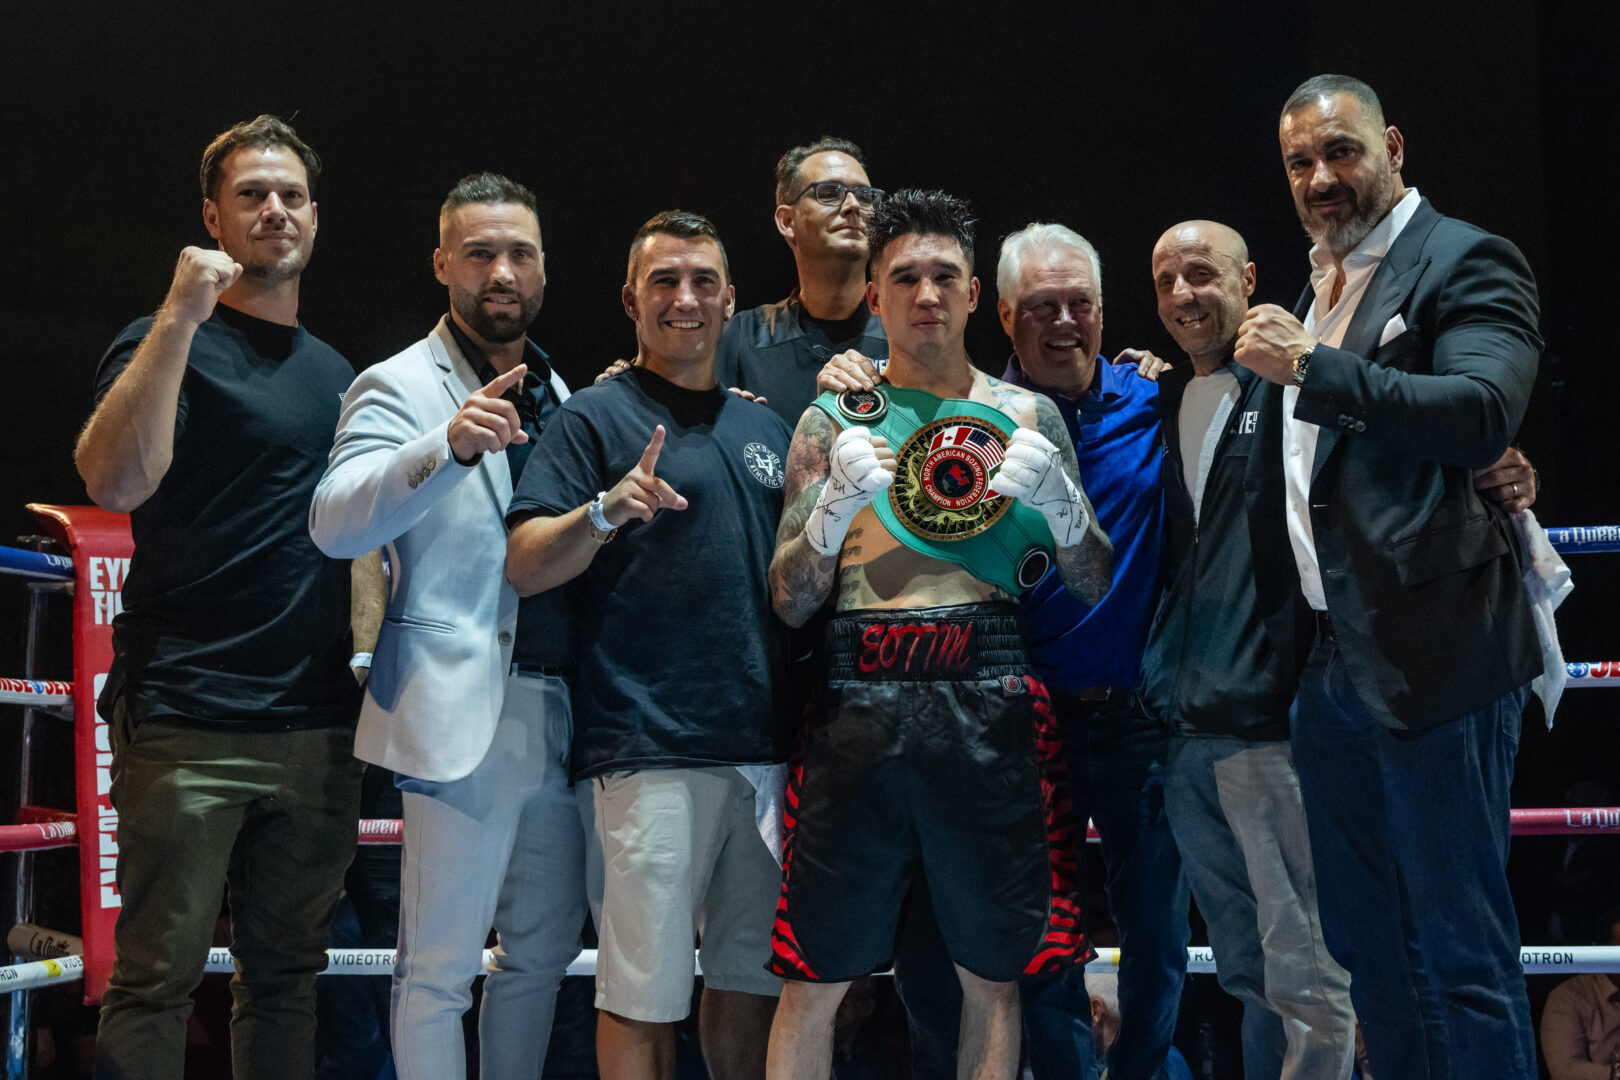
(680,690)
(229,703)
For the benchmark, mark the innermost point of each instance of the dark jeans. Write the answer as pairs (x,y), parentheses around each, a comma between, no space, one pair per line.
(1115,758)
(1409,836)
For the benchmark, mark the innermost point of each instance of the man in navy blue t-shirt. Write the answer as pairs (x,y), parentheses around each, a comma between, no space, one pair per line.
(657,493)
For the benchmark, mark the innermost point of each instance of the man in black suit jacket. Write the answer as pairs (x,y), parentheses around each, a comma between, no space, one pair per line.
(1408,364)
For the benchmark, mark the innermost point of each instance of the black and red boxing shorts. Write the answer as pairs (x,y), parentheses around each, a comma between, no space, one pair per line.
(935,753)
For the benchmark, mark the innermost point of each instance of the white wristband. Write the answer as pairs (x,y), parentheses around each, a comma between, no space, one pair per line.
(360,659)
(598,518)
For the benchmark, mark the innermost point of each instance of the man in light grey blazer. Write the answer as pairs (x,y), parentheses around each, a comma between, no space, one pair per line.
(467,700)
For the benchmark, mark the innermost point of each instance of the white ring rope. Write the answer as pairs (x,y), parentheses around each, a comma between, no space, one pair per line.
(1536,960)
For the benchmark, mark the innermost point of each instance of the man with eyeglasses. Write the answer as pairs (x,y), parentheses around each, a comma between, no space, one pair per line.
(776,350)
(468,699)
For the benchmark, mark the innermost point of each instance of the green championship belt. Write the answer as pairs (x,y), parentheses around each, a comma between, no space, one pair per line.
(947,451)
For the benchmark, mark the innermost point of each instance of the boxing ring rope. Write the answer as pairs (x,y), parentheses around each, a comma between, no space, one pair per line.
(51,830)
(1565,539)
(37,694)
(1553,821)
(36,564)
(57,697)
(1584,539)
(1536,960)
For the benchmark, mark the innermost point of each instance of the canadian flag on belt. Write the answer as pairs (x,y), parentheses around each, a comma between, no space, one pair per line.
(982,443)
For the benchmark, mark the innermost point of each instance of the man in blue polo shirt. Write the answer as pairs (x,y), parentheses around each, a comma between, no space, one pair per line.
(1049,282)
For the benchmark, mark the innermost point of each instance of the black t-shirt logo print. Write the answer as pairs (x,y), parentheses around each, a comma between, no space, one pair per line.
(764,463)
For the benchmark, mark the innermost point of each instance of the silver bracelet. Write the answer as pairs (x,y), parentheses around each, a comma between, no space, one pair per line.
(598,518)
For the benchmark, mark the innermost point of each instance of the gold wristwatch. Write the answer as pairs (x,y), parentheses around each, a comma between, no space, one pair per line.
(1302,364)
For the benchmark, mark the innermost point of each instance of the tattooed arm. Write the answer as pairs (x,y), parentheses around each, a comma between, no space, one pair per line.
(830,476)
(801,576)
(1040,471)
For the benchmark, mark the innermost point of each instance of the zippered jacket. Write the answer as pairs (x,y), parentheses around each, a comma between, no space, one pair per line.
(1229,638)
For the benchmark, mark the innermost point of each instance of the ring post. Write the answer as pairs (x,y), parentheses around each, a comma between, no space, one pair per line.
(100,545)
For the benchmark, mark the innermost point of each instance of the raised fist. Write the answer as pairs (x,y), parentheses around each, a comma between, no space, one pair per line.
(200,276)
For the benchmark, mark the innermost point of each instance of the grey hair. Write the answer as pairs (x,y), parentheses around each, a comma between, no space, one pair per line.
(1041,236)
(1105,985)
(1321,86)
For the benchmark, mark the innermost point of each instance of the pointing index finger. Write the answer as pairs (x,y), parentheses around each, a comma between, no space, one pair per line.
(649,456)
(502,383)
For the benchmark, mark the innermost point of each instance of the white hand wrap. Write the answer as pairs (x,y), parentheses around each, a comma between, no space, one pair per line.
(853,477)
(1033,474)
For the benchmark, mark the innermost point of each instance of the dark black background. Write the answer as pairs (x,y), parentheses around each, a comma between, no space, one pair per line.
(1115,119)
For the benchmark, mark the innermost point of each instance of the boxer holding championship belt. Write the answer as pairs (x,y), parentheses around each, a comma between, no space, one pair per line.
(946,502)
(930,755)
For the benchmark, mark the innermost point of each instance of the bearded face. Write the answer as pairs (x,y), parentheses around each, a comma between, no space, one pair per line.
(498,314)
(1343,168)
(1341,217)
(491,261)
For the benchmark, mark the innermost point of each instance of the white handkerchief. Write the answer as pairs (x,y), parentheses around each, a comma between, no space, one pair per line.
(1392,330)
(1548,581)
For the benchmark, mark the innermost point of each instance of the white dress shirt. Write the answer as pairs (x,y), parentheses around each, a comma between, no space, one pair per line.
(1328,321)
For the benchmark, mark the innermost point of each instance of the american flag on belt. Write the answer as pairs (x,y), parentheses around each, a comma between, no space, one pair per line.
(984,444)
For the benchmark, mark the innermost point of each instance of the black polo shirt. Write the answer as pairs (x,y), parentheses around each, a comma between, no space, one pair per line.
(777,350)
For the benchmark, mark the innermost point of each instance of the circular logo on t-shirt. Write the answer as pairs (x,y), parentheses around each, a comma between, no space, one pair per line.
(764,463)
(945,469)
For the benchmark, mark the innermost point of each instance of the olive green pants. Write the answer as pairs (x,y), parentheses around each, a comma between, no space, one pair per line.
(270,817)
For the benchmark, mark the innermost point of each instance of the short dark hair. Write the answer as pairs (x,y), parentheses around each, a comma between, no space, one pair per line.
(1318,86)
(789,175)
(487,187)
(911,211)
(262,132)
(679,223)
